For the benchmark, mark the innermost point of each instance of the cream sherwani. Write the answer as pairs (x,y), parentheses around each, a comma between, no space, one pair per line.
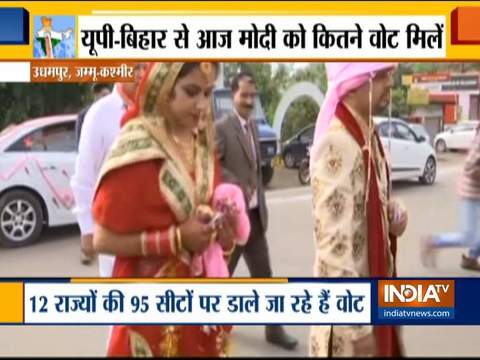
(339,186)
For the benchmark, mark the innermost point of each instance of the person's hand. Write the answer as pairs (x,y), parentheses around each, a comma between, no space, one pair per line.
(248,191)
(87,245)
(227,228)
(204,213)
(195,235)
(398,218)
(365,346)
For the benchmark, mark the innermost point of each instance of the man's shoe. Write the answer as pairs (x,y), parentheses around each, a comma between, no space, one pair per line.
(470,263)
(276,335)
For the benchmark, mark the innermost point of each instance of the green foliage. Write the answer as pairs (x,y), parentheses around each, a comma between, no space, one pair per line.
(22,101)
(272,84)
(400,108)
(314,73)
(302,112)
(269,94)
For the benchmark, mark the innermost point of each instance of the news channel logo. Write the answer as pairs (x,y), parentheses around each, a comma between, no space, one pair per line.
(54,37)
(427,300)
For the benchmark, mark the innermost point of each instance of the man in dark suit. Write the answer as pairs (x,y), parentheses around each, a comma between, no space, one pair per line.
(239,150)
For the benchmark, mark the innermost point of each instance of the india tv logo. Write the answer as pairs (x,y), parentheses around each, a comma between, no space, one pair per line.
(54,37)
(399,298)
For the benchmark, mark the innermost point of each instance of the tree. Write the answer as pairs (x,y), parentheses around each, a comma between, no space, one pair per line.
(271,85)
(302,112)
(314,73)
(266,83)
(22,101)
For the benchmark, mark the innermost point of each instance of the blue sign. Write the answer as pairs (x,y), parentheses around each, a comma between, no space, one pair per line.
(14,26)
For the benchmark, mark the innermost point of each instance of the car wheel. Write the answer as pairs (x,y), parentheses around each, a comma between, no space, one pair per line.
(304,172)
(441,146)
(267,175)
(289,160)
(21,218)
(429,172)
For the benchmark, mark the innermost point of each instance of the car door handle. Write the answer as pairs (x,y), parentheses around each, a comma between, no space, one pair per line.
(51,167)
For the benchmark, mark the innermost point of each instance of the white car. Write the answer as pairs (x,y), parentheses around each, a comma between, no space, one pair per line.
(458,137)
(37,160)
(410,154)
(420,130)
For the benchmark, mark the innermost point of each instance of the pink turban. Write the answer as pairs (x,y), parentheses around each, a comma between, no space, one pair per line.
(342,78)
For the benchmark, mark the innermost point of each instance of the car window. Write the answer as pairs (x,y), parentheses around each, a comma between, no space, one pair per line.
(60,137)
(30,142)
(464,127)
(383,129)
(224,105)
(419,130)
(403,132)
(257,112)
(470,127)
(307,135)
(53,138)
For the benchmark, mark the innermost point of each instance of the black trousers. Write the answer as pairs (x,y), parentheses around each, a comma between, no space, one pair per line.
(255,252)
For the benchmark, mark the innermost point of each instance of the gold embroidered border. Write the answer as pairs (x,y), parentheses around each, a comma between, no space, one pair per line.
(139,346)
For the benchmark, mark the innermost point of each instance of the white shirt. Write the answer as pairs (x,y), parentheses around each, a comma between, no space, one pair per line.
(100,128)
(243,123)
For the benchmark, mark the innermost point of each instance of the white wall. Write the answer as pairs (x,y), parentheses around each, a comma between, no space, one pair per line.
(464,102)
(429,111)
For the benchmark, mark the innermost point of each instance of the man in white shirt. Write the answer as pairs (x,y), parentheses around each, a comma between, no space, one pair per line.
(99,90)
(100,128)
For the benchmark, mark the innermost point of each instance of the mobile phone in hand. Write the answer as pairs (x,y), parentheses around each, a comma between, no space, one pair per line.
(216,220)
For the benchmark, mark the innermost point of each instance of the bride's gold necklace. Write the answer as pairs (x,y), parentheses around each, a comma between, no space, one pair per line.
(187,151)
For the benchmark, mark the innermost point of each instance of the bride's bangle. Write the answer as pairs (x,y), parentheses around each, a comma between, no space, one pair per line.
(150,241)
(157,243)
(178,240)
(230,251)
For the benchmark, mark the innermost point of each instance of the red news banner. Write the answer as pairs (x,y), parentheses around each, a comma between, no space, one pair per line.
(81,71)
